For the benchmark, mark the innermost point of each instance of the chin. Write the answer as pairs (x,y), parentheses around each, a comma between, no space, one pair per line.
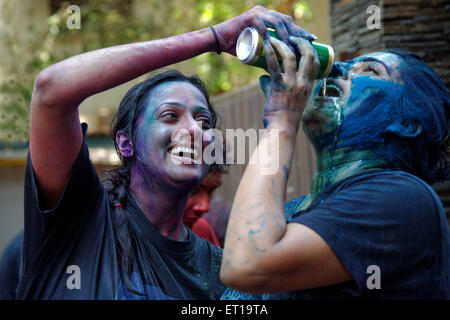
(315,117)
(190,219)
(188,176)
(321,120)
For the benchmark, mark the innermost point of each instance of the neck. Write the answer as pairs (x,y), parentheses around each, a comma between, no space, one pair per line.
(163,207)
(343,163)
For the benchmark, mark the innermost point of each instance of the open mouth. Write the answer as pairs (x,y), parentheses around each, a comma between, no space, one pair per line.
(330,90)
(183,153)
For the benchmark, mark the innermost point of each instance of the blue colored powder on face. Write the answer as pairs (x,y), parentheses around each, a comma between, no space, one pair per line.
(379,111)
(370,109)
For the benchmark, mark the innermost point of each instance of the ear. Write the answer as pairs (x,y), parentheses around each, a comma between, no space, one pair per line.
(124,144)
(406,129)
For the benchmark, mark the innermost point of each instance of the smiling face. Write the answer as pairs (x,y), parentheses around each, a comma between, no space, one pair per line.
(359,100)
(176,112)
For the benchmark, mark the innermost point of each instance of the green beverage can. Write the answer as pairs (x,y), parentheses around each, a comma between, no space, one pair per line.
(249,50)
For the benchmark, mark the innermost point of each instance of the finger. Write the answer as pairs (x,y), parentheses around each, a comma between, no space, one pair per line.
(302,33)
(264,83)
(292,28)
(289,61)
(273,68)
(260,26)
(309,63)
(279,26)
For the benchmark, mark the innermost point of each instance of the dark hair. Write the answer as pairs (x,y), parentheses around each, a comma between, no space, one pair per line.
(117,180)
(420,98)
(426,100)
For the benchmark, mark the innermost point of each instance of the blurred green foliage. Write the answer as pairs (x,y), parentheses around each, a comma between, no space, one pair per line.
(112,22)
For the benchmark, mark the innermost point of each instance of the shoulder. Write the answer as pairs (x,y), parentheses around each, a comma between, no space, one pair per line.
(401,178)
(83,183)
(393,186)
(379,200)
(82,193)
(388,218)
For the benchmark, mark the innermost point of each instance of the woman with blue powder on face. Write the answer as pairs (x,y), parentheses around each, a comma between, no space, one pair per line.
(371,227)
(125,240)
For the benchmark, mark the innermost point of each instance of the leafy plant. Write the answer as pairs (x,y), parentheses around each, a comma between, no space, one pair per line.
(113,22)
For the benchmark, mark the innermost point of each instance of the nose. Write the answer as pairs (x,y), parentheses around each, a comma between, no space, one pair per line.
(193,126)
(202,204)
(188,130)
(339,70)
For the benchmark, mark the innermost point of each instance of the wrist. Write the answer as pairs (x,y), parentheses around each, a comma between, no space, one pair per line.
(282,128)
(216,39)
(226,35)
(284,120)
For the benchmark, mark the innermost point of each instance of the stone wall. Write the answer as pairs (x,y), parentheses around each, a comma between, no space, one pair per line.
(349,33)
(422,27)
(419,26)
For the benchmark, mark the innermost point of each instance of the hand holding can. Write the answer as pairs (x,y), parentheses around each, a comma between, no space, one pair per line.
(249,50)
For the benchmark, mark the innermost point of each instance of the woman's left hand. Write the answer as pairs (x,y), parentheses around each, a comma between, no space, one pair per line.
(259,18)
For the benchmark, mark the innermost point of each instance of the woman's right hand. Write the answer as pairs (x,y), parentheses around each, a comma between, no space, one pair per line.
(259,18)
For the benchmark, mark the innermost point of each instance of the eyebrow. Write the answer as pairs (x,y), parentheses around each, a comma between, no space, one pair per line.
(197,108)
(368,59)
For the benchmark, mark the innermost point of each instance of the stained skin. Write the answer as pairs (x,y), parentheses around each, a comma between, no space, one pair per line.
(176,112)
(336,125)
(297,257)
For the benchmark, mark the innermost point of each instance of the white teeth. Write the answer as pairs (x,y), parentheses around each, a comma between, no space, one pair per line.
(185,151)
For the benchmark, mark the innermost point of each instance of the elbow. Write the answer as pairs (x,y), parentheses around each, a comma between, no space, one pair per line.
(233,279)
(243,279)
(43,80)
(43,89)
(227,276)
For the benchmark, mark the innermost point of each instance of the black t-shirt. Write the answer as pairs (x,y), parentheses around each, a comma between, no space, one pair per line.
(70,251)
(10,266)
(388,228)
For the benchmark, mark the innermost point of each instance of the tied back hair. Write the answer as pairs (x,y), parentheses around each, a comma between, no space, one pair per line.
(426,100)
(117,180)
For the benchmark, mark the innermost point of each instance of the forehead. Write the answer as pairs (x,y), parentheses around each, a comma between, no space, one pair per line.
(181,93)
(390,60)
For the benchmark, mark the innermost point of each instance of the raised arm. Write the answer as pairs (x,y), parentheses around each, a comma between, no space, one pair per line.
(263,253)
(56,136)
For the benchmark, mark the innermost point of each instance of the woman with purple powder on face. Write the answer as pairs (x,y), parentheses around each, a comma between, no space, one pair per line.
(125,240)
